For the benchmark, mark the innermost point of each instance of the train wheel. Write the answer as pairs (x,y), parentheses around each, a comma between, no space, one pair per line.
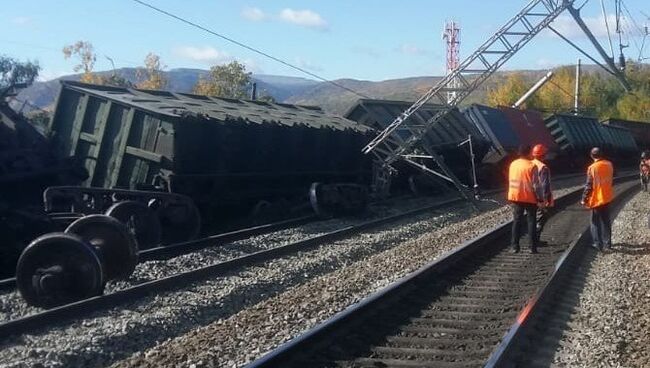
(315,198)
(140,219)
(114,243)
(338,199)
(179,223)
(57,269)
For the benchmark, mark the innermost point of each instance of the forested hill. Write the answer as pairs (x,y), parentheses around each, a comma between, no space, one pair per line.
(297,90)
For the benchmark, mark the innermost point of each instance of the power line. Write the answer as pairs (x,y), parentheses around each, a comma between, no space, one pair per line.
(636,25)
(250,48)
(560,88)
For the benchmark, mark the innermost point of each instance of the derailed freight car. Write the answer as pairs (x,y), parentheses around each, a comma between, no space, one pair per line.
(27,167)
(530,128)
(507,129)
(640,130)
(577,134)
(229,156)
(444,136)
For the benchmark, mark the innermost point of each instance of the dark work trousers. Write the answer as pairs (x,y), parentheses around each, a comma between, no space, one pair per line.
(644,182)
(601,227)
(542,217)
(518,210)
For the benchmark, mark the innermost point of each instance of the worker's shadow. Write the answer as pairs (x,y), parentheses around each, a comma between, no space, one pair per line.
(631,249)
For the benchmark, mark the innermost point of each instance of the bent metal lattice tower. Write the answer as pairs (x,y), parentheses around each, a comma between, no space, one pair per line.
(403,138)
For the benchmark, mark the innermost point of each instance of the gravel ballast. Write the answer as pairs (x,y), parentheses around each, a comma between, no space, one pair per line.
(611,323)
(241,298)
(235,341)
(12,305)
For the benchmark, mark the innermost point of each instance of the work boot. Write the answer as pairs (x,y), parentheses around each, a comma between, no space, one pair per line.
(533,251)
(597,246)
(514,250)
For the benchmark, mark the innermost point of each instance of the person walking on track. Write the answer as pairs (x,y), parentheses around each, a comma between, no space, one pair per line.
(597,195)
(524,194)
(539,155)
(644,170)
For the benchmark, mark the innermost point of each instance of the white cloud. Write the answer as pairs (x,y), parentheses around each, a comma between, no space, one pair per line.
(409,49)
(304,18)
(568,27)
(306,64)
(253,14)
(21,21)
(206,54)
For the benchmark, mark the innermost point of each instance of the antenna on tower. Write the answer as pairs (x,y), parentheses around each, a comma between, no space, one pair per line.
(451,35)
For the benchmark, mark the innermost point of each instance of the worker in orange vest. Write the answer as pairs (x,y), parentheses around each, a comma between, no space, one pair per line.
(598,193)
(644,170)
(524,193)
(539,154)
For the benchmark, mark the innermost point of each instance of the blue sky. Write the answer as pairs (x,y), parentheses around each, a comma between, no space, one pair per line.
(363,39)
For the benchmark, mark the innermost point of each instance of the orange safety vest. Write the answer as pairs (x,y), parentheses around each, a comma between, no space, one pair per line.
(520,181)
(540,166)
(601,173)
(645,166)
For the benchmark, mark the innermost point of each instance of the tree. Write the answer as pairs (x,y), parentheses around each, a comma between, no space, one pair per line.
(510,91)
(151,76)
(230,80)
(600,95)
(85,52)
(14,74)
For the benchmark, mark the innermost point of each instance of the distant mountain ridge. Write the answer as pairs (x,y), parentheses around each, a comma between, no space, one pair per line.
(294,90)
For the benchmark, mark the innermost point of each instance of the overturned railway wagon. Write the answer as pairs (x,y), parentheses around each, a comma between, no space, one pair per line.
(227,155)
(444,137)
(640,130)
(27,167)
(577,134)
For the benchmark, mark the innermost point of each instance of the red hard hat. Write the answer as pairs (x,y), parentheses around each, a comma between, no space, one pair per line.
(539,150)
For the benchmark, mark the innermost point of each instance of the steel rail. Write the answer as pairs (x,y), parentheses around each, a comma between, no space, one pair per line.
(83,307)
(505,352)
(174,250)
(284,354)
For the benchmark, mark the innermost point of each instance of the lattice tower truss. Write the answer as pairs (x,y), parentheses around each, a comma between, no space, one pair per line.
(403,138)
(451,35)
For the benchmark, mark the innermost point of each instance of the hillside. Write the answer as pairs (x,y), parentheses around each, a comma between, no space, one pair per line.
(291,89)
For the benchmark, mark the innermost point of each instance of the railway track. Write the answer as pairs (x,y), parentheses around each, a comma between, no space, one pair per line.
(74,310)
(174,250)
(39,321)
(451,313)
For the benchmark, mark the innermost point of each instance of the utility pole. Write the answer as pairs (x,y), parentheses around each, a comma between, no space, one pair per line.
(533,89)
(577,93)
(451,35)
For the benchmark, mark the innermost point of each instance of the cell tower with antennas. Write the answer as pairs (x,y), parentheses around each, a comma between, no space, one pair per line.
(451,35)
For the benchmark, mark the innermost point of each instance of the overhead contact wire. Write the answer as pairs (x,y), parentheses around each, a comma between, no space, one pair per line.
(250,48)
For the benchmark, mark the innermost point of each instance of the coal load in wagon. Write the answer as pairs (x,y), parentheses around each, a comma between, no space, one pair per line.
(227,155)
(444,136)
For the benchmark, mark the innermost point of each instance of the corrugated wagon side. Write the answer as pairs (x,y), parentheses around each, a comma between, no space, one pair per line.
(621,141)
(229,156)
(640,130)
(444,137)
